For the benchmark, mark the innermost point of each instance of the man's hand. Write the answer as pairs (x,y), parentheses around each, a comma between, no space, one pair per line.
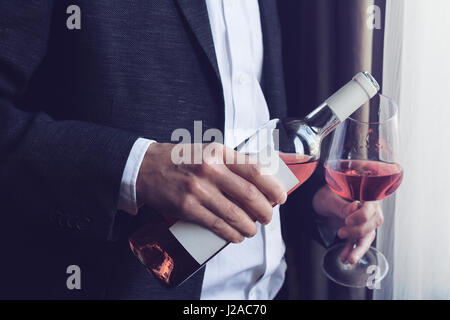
(225,198)
(356,222)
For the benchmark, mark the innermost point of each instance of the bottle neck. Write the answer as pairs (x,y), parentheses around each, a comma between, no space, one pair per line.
(322,120)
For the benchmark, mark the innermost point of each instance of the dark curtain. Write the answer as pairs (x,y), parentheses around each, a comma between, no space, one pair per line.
(325,43)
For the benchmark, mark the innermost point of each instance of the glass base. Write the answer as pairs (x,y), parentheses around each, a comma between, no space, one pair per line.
(367,272)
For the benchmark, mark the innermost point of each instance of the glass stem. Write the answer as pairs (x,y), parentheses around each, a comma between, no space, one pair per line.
(356,240)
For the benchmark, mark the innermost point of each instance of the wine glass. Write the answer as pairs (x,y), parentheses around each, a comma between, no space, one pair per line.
(363,165)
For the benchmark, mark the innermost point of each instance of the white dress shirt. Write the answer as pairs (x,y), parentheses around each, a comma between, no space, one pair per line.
(254,269)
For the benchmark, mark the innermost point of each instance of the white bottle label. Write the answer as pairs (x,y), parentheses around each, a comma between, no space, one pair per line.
(200,242)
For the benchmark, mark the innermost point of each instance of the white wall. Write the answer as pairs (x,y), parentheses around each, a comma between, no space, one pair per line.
(417,74)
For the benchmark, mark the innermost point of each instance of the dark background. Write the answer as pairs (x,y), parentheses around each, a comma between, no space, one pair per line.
(325,43)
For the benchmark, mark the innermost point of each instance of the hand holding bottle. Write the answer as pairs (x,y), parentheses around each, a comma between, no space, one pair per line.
(223,197)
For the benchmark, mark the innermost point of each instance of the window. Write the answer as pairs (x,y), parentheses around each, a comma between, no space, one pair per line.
(417,75)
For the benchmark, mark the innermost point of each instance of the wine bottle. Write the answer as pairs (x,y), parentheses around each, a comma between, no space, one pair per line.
(172,252)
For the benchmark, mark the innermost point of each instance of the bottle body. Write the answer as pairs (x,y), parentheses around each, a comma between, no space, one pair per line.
(289,149)
(172,251)
(162,254)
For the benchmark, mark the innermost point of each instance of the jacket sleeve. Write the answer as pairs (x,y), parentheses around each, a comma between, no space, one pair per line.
(54,174)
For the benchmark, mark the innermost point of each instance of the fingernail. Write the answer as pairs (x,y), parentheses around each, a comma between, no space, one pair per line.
(353,260)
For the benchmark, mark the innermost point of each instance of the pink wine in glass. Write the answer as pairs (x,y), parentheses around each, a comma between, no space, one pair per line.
(174,250)
(363,180)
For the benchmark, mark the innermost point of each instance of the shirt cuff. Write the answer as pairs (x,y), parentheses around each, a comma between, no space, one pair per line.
(127,196)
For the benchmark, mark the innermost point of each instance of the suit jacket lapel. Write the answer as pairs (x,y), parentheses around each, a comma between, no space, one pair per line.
(272,81)
(196,15)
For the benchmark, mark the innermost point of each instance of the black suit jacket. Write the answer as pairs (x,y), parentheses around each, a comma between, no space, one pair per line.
(72,103)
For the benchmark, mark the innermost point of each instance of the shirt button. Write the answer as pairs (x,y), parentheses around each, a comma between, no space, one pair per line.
(243,78)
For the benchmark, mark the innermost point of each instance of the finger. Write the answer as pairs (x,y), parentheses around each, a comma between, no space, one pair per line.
(361,248)
(251,171)
(247,195)
(347,208)
(231,213)
(345,252)
(237,188)
(202,216)
(359,230)
(362,215)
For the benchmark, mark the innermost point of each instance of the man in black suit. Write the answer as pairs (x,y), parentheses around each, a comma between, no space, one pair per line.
(73,104)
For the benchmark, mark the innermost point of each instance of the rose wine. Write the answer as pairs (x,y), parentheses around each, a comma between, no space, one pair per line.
(363,180)
(172,251)
(301,166)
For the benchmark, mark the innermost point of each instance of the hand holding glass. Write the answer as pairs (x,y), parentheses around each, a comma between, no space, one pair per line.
(363,165)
